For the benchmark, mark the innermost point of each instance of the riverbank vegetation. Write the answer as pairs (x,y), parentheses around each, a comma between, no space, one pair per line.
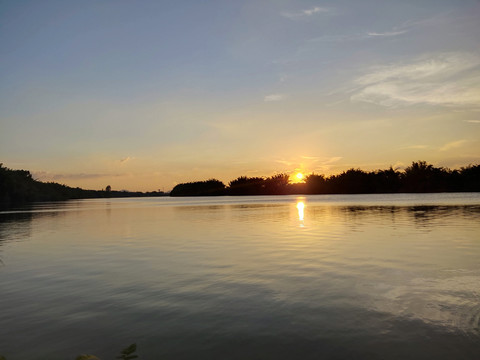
(419,177)
(19,186)
(126,354)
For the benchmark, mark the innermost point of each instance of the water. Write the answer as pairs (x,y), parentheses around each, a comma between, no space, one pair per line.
(341,277)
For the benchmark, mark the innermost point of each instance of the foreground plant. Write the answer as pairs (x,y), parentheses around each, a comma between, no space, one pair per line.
(128,353)
(87,357)
(125,354)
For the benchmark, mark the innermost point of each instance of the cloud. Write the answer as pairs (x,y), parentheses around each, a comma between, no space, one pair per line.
(449,79)
(358,36)
(416,147)
(430,67)
(312,158)
(47,176)
(326,165)
(386,34)
(473,121)
(453,145)
(335,38)
(314,10)
(274,97)
(305,13)
(332,160)
(285,162)
(124,160)
(310,162)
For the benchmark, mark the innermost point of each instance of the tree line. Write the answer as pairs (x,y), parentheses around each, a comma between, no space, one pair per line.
(419,177)
(19,186)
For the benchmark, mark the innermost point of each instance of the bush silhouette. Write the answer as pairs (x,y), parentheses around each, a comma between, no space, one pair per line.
(19,186)
(210,187)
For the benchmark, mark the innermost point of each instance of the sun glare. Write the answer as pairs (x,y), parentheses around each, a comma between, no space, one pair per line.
(300,207)
(297,177)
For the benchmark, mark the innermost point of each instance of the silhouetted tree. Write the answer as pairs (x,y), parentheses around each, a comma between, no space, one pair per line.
(386,181)
(244,185)
(470,177)
(18,186)
(423,177)
(315,184)
(210,187)
(352,181)
(277,184)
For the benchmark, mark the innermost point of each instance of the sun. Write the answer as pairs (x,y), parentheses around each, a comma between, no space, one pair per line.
(297,177)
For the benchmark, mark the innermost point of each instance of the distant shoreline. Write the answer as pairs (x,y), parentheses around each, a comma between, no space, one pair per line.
(18,187)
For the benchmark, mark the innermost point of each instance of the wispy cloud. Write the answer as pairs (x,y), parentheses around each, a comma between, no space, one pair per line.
(453,145)
(335,38)
(404,28)
(126,159)
(312,158)
(274,97)
(415,147)
(305,13)
(386,34)
(449,79)
(473,121)
(314,10)
(358,36)
(332,160)
(285,162)
(47,176)
(430,66)
(310,162)
(326,165)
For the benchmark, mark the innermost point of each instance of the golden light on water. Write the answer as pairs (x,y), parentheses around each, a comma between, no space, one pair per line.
(300,208)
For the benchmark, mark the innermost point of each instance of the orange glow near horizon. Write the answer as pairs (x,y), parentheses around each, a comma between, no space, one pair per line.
(297,177)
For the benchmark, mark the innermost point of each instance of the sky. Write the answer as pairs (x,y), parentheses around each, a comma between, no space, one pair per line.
(142,95)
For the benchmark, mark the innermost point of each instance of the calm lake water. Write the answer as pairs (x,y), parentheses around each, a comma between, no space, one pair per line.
(280,277)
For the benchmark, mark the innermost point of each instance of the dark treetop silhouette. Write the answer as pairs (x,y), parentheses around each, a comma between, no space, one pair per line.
(18,186)
(418,177)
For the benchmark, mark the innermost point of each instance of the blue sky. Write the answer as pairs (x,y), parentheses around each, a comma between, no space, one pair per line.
(142,95)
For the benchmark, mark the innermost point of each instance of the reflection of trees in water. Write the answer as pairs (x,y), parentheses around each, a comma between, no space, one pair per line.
(357,216)
(237,212)
(423,216)
(354,216)
(261,212)
(17,226)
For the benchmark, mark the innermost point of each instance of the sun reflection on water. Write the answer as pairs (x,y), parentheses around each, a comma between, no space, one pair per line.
(301,214)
